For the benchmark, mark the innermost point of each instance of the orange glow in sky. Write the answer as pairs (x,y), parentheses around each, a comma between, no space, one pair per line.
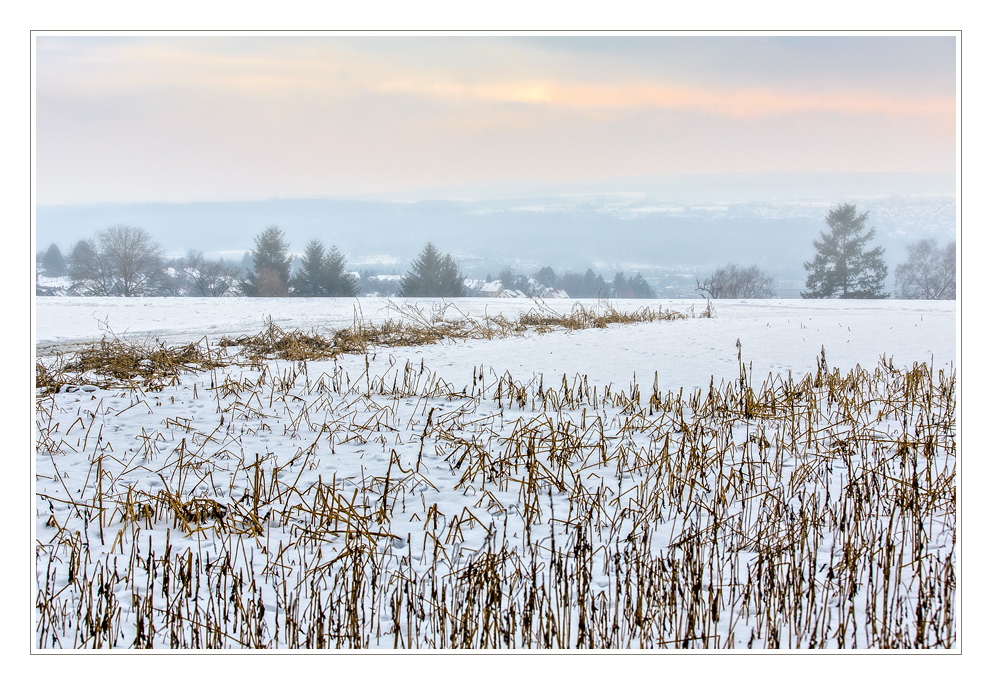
(216,118)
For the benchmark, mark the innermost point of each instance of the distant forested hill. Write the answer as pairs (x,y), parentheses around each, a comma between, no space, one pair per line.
(565,232)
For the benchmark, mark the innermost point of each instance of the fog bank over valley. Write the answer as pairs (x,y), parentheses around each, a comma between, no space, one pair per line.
(670,232)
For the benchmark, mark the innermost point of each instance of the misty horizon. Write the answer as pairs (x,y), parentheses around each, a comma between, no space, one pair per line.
(740,186)
(609,232)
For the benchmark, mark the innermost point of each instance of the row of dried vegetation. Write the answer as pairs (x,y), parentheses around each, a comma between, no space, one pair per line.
(119,363)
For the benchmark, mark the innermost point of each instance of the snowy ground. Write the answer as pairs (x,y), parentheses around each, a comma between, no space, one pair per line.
(398,475)
(776,335)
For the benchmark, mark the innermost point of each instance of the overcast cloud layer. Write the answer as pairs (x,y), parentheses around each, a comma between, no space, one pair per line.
(132,119)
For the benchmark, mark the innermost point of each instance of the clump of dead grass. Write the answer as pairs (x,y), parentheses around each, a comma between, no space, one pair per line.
(123,363)
(274,342)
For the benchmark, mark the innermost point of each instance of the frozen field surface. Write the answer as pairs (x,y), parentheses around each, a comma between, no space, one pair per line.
(776,335)
(781,474)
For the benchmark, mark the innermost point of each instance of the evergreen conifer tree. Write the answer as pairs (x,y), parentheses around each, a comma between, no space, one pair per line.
(432,275)
(53,261)
(307,280)
(843,266)
(335,281)
(269,276)
(620,287)
(641,288)
(322,274)
(547,277)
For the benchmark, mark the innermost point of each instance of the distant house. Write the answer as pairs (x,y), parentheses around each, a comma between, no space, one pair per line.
(47,286)
(478,288)
(506,292)
(493,289)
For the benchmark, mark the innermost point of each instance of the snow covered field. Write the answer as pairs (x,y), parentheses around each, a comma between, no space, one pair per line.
(627,486)
(777,335)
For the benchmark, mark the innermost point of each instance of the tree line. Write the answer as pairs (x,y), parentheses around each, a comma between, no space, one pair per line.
(846,267)
(588,284)
(125,261)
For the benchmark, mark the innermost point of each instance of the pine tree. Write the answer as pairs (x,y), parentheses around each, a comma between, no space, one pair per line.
(593,285)
(587,285)
(641,288)
(620,287)
(432,275)
(335,281)
(843,267)
(53,261)
(547,277)
(307,280)
(269,276)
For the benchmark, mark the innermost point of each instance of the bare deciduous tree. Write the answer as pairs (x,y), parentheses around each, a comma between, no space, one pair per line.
(733,281)
(208,278)
(89,270)
(124,260)
(930,273)
(133,257)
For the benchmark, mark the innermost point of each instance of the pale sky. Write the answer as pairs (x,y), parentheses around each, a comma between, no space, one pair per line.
(178,119)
